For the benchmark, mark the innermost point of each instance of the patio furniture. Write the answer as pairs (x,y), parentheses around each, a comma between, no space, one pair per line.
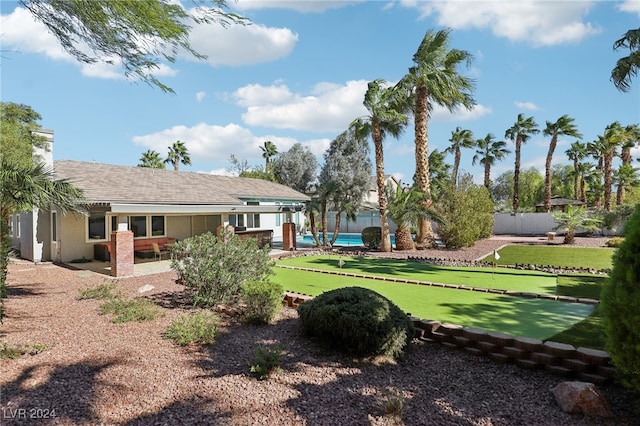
(158,252)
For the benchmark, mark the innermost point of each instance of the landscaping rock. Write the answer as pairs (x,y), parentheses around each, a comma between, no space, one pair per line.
(145,288)
(581,397)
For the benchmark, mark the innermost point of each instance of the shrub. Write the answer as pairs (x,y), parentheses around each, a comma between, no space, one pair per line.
(614,242)
(102,291)
(263,300)
(265,362)
(128,310)
(371,237)
(215,268)
(621,305)
(198,327)
(13,352)
(357,321)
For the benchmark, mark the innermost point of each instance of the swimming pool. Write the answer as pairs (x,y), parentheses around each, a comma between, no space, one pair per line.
(344,239)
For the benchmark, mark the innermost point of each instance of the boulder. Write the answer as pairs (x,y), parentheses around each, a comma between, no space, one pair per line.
(581,397)
(145,288)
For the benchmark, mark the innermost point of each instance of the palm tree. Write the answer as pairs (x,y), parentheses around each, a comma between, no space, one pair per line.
(574,218)
(626,176)
(563,126)
(434,78)
(23,187)
(269,150)
(151,159)
(460,138)
(593,178)
(627,66)
(613,137)
(487,153)
(178,153)
(438,174)
(385,117)
(406,206)
(576,153)
(520,133)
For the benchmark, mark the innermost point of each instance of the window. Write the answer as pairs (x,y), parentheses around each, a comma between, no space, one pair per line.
(97,226)
(253,220)
(236,220)
(54,226)
(138,226)
(157,226)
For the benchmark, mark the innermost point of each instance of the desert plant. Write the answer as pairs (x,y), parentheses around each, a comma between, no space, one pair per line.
(215,268)
(128,310)
(621,305)
(371,237)
(100,292)
(13,352)
(393,403)
(265,362)
(263,301)
(358,321)
(199,327)
(614,242)
(574,218)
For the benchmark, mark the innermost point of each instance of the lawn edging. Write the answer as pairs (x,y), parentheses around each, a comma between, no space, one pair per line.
(585,364)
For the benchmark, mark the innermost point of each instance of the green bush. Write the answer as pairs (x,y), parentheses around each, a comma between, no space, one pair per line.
(621,305)
(614,242)
(197,327)
(100,292)
(128,310)
(215,268)
(357,321)
(371,237)
(263,300)
(265,362)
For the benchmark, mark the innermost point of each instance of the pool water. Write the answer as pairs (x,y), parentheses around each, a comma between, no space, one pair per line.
(344,239)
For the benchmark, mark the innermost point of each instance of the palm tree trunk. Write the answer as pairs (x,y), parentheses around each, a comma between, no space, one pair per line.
(336,230)
(516,176)
(547,173)
(314,228)
(608,158)
(403,238)
(576,179)
(456,164)
(425,233)
(487,174)
(583,190)
(620,193)
(323,213)
(385,244)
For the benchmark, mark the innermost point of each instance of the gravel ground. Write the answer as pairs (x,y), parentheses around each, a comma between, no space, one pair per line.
(95,372)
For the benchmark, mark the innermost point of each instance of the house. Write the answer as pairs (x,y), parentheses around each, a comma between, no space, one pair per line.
(559,204)
(150,205)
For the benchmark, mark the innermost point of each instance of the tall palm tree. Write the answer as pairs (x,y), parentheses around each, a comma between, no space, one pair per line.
(151,159)
(460,138)
(386,117)
(627,66)
(576,153)
(269,150)
(593,178)
(178,153)
(487,153)
(520,133)
(614,136)
(626,176)
(563,126)
(23,187)
(434,78)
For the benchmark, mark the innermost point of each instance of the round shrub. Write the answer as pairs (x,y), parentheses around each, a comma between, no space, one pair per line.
(263,300)
(614,242)
(357,321)
(371,237)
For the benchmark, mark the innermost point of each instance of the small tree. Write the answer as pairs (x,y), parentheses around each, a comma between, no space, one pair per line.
(405,207)
(216,268)
(621,305)
(296,168)
(573,219)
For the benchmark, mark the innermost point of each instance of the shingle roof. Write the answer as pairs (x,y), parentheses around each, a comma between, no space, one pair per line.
(107,183)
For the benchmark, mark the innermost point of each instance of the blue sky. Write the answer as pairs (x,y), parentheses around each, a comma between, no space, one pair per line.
(299,74)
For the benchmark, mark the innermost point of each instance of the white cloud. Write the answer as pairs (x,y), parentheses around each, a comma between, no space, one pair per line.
(529,106)
(241,45)
(304,6)
(631,6)
(200,96)
(541,23)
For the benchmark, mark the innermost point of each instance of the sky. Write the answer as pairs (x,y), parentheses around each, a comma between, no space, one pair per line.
(299,72)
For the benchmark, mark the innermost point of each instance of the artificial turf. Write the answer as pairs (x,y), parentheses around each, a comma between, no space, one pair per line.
(557,256)
(536,318)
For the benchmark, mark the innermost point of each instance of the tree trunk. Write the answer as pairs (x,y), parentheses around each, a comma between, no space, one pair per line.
(516,176)
(336,230)
(583,190)
(323,213)
(576,179)
(425,233)
(403,238)
(385,244)
(456,164)
(487,175)
(608,157)
(314,228)
(547,173)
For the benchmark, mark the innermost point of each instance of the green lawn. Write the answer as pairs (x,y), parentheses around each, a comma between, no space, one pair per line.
(559,256)
(518,316)
(499,278)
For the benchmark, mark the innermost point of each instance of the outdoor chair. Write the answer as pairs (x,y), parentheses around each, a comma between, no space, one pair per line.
(159,252)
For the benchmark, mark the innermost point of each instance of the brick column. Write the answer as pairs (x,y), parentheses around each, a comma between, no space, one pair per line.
(122,253)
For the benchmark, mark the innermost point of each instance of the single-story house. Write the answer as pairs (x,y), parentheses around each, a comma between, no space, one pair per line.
(132,207)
